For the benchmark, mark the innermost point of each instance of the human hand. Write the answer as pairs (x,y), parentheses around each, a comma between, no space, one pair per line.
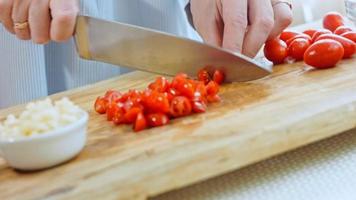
(39,20)
(240,25)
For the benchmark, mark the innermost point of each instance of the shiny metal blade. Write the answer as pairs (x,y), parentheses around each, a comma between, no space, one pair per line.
(154,51)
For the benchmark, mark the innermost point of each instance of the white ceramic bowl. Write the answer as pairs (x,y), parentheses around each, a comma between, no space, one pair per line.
(48,149)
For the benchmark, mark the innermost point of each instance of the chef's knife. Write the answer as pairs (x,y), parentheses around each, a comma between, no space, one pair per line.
(153,51)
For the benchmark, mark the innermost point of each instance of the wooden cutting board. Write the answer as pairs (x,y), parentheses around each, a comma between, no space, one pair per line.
(294,106)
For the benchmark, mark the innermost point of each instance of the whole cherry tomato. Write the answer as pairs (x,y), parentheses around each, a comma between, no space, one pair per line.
(157,119)
(342,29)
(318,33)
(304,36)
(310,32)
(332,21)
(349,46)
(297,48)
(324,54)
(180,106)
(204,76)
(286,35)
(351,35)
(276,51)
(140,123)
(219,77)
(100,105)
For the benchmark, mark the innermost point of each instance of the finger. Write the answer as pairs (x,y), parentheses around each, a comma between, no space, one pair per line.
(282,19)
(234,14)
(39,20)
(20,15)
(63,19)
(5,15)
(261,19)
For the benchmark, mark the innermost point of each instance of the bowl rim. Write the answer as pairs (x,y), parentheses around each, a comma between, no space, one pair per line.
(50,134)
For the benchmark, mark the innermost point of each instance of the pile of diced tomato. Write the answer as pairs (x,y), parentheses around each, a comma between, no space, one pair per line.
(322,48)
(161,101)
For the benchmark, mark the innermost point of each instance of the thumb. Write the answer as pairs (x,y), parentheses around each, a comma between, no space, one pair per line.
(64,13)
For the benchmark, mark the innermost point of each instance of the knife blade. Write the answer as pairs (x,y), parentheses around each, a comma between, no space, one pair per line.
(154,51)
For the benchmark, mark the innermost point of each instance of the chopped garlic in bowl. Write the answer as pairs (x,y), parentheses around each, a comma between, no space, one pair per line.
(39,118)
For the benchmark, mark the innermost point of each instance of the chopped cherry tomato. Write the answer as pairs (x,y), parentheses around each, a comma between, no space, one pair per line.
(276,51)
(332,21)
(349,46)
(351,35)
(219,77)
(318,33)
(199,106)
(140,123)
(112,108)
(100,105)
(286,35)
(185,88)
(204,76)
(157,119)
(119,117)
(309,32)
(297,48)
(180,107)
(156,102)
(212,88)
(113,95)
(305,36)
(342,29)
(131,114)
(213,98)
(324,54)
(161,84)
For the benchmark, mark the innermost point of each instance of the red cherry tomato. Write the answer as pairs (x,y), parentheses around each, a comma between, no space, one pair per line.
(140,123)
(212,88)
(112,108)
(213,98)
(156,102)
(318,33)
(180,107)
(276,51)
(297,48)
(119,117)
(157,119)
(286,35)
(349,46)
(342,29)
(131,114)
(161,84)
(204,76)
(324,54)
(310,32)
(199,106)
(113,95)
(351,35)
(332,21)
(100,105)
(185,87)
(305,36)
(219,77)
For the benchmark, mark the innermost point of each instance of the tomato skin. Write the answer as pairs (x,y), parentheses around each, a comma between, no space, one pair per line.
(332,21)
(185,88)
(349,46)
(161,84)
(112,108)
(204,76)
(297,48)
(212,88)
(180,106)
(351,35)
(318,33)
(113,96)
(286,35)
(100,105)
(213,98)
(310,32)
(304,36)
(276,51)
(156,102)
(342,29)
(324,54)
(157,119)
(219,77)
(119,117)
(140,123)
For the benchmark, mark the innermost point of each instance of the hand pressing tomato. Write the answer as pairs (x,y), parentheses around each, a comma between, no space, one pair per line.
(157,119)
(332,21)
(297,48)
(180,106)
(350,35)
(349,46)
(324,53)
(276,51)
(310,32)
(286,35)
(342,29)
